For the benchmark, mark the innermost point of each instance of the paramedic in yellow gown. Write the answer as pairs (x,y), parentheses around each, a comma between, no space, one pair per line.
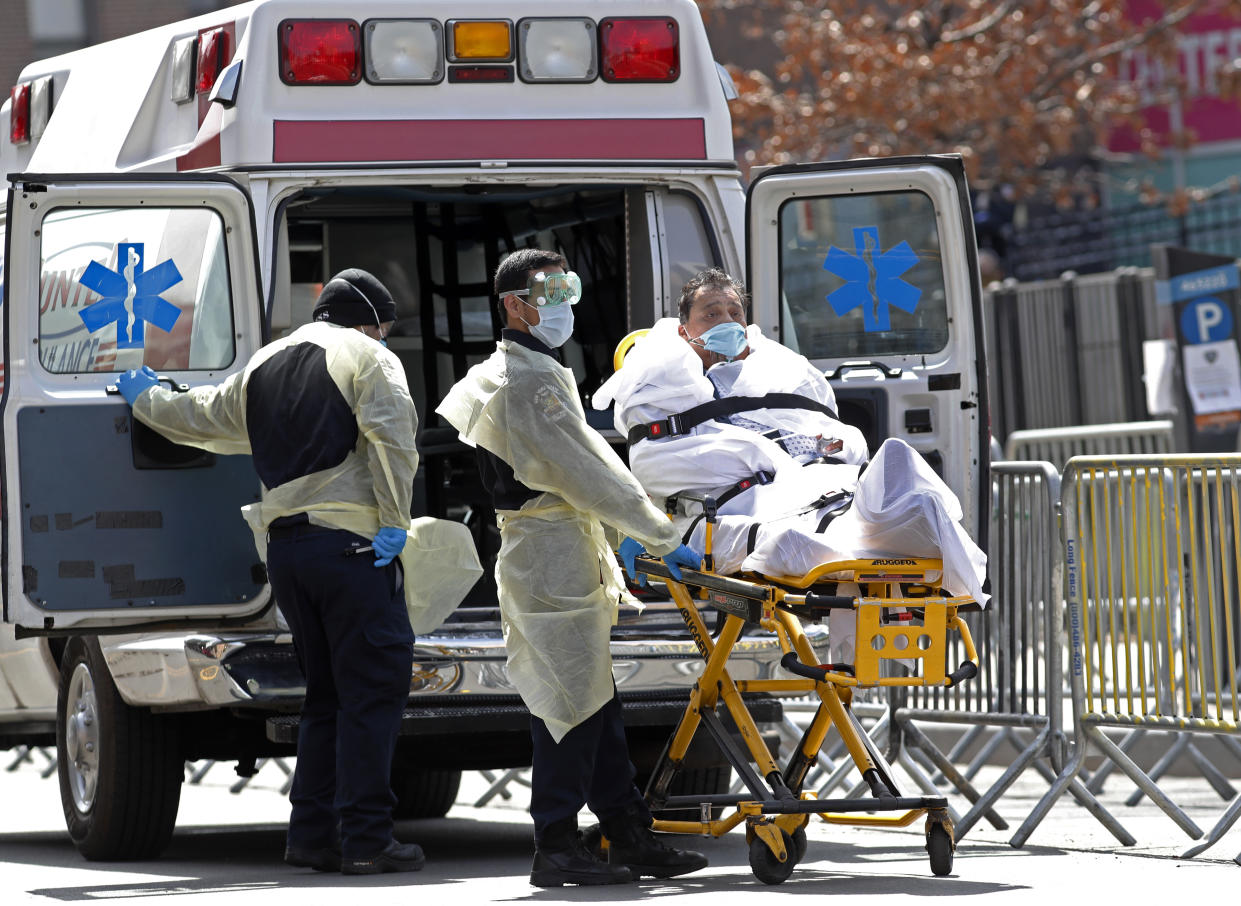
(554,479)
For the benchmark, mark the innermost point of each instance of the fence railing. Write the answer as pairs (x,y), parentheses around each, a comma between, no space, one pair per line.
(1068,351)
(1152,546)
(1017,698)
(1104,239)
(1058,445)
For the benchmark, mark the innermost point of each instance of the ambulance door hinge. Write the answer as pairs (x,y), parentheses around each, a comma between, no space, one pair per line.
(34,187)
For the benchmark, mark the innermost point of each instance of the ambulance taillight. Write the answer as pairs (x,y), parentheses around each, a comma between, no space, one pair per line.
(184,62)
(214,52)
(639,50)
(19,114)
(480,41)
(557,50)
(403,51)
(320,52)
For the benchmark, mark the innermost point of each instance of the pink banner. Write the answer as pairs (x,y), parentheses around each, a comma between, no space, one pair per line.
(1205,42)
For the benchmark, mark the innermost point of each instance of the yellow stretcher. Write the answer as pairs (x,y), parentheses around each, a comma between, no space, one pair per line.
(775,809)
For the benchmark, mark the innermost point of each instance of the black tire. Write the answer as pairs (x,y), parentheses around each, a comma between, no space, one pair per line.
(423,792)
(766,867)
(800,842)
(939,848)
(120,767)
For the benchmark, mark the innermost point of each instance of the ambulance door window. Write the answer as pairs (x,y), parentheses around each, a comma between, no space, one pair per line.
(3,275)
(126,287)
(691,247)
(880,288)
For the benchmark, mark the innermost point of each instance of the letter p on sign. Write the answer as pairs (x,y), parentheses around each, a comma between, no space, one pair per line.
(1206,320)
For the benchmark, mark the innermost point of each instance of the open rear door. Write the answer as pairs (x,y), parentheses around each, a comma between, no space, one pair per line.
(107,525)
(869,269)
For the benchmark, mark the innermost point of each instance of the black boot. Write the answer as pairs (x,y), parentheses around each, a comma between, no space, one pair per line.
(560,857)
(632,843)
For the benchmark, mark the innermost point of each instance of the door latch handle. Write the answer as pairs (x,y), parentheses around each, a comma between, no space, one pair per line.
(113,390)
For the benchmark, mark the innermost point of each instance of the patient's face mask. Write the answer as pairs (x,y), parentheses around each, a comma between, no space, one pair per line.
(727,340)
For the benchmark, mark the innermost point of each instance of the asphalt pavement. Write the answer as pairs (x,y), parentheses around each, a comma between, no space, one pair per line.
(230,845)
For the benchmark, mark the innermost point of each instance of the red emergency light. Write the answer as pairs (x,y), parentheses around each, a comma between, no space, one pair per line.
(19,114)
(320,52)
(476,74)
(639,50)
(214,52)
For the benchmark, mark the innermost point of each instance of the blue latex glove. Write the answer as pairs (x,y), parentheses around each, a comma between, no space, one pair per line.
(629,550)
(683,556)
(388,543)
(134,383)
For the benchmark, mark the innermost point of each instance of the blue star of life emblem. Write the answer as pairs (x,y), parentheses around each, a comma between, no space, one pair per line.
(131,296)
(872,279)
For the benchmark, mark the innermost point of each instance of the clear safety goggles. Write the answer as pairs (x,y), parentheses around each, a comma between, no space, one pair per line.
(552,289)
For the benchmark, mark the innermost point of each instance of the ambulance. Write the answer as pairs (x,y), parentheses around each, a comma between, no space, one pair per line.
(176,198)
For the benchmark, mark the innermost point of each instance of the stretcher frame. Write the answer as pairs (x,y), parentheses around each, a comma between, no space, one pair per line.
(775,809)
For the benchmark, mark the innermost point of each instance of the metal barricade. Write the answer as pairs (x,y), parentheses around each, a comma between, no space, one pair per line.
(1017,697)
(1152,546)
(1058,445)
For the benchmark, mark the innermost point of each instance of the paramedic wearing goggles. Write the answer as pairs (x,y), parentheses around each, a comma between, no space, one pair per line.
(554,480)
(327,416)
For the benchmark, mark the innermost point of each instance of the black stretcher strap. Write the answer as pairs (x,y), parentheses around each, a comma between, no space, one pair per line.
(684,422)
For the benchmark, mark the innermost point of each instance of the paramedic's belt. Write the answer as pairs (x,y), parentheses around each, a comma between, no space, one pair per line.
(684,422)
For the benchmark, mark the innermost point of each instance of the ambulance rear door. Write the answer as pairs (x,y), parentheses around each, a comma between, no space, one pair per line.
(869,269)
(107,525)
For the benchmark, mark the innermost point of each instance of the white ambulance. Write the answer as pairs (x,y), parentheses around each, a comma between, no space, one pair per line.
(176,198)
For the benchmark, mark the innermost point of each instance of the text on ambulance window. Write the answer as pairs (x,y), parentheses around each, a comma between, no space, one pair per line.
(861,276)
(127,287)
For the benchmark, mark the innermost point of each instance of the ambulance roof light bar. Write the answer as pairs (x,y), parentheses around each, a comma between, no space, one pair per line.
(19,114)
(320,52)
(480,40)
(639,49)
(403,51)
(214,52)
(557,50)
(184,69)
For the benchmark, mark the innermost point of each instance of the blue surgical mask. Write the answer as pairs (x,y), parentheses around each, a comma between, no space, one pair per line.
(555,325)
(726,339)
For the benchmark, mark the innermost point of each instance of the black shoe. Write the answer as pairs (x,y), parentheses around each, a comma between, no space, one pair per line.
(324,859)
(395,857)
(560,857)
(633,844)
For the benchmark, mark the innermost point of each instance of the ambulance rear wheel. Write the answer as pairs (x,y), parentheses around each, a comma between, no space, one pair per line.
(939,848)
(120,768)
(423,792)
(766,867)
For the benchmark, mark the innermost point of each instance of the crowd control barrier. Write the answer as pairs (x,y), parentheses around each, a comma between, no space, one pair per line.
(1059,445)
(1017,698)
(1152,546)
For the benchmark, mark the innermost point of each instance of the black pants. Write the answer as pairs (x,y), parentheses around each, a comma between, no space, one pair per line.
(355,647)
(589,766)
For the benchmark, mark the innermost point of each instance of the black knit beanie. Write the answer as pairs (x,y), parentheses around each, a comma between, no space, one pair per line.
(354,297)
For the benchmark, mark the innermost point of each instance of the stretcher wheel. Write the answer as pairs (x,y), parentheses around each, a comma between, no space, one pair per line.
(939,848)
(799,845)
(766,867)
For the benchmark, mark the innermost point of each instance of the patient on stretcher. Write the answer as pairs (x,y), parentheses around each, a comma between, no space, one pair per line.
(711,406)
